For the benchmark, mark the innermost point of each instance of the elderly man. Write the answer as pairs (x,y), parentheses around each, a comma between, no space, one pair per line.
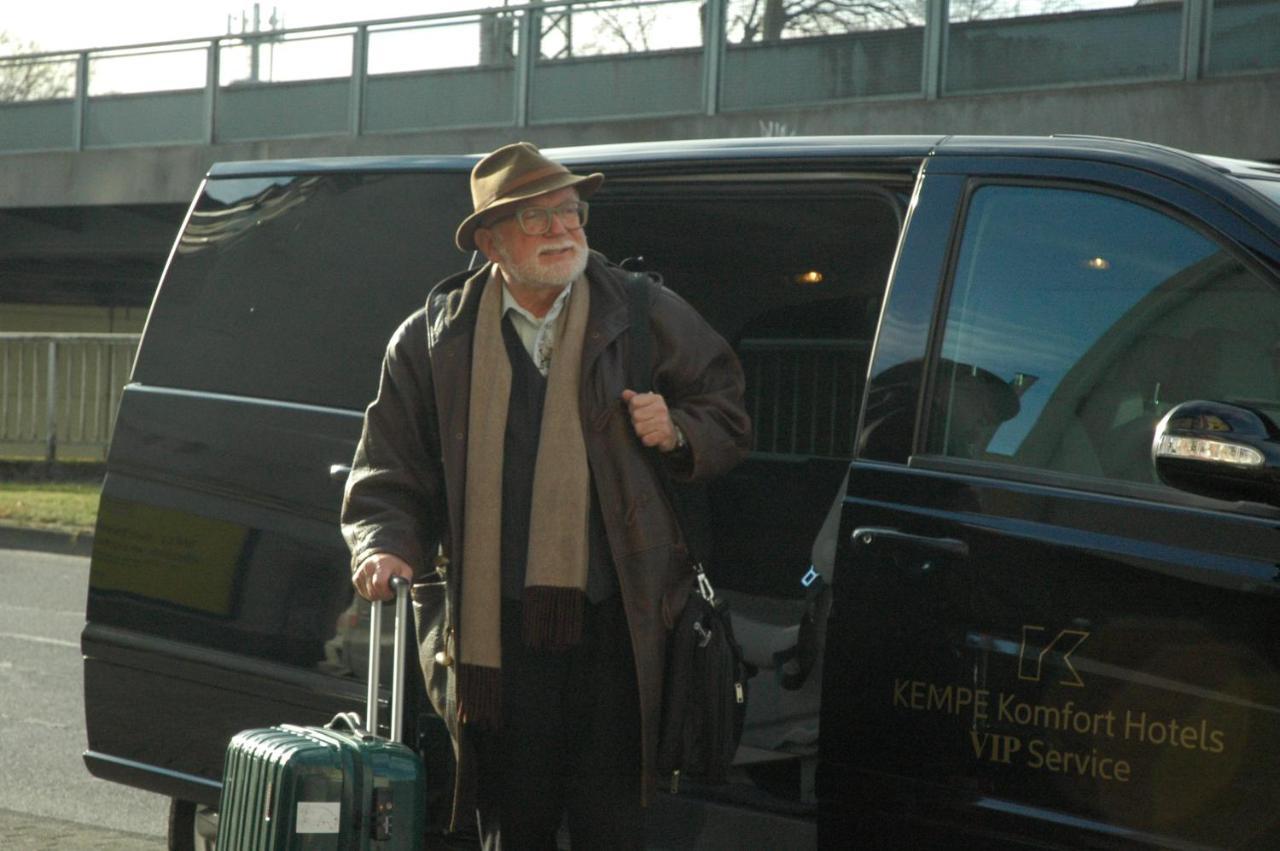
(504,435)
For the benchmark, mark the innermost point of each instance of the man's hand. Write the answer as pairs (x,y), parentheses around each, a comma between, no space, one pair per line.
(373,577)
(651,419)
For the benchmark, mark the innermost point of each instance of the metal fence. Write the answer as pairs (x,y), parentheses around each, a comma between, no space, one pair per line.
(547,62)
(803,395)
(59,393)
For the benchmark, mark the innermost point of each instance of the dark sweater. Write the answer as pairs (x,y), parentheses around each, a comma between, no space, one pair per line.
(524,426)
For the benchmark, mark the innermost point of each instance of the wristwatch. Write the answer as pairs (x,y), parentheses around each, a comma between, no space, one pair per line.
(681,443)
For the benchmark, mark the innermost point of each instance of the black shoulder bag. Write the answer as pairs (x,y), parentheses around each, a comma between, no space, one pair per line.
(704,694)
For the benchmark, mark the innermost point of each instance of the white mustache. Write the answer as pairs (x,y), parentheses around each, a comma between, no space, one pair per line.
(548,249)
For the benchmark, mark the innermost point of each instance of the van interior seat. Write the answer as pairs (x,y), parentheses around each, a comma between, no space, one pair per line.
(764,630)
(1215,363)
(1227,364)
(1130,401)
(766,514)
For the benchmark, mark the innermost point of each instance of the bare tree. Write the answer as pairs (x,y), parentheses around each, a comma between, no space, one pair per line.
(614,29)
(630,28)
(978,10)
(23,78)
(769,20)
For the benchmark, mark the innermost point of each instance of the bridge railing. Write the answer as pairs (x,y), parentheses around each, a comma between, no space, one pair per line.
(59,393)
(550,62)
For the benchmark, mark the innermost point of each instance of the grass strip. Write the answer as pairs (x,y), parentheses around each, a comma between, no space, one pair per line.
(64,505)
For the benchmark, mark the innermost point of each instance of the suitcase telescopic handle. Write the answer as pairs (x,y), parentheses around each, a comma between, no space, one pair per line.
(401,587)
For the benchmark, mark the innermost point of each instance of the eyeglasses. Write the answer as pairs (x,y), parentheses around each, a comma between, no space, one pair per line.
(535,221)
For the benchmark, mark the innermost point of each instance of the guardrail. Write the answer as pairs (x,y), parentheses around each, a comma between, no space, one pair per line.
(548,62)
(59,393)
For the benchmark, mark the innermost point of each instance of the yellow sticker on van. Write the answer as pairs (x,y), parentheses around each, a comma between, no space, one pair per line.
(167,555)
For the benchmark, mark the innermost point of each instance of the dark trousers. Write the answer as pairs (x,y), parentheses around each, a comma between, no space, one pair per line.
(570,743)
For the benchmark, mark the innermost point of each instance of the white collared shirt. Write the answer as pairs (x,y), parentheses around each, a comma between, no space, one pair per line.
(537,334)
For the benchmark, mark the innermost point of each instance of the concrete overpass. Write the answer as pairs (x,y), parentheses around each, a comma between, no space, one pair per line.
(96,181)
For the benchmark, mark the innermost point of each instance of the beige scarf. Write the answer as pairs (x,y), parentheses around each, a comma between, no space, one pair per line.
(556,574)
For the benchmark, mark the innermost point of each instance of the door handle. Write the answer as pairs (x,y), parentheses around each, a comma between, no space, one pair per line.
(868,535)
(339,472)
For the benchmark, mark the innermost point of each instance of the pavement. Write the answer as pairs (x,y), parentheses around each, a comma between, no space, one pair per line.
(34,833)
(45,539)
(48,800)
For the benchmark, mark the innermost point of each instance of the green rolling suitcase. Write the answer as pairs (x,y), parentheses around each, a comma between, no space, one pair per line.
(335,787)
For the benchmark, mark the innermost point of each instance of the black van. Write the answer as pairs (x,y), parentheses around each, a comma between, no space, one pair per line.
(1006,553)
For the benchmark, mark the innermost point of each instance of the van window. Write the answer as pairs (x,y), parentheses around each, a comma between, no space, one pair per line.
(1077,319)
(288,288)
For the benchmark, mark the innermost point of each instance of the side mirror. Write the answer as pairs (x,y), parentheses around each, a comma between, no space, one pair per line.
(1219,450)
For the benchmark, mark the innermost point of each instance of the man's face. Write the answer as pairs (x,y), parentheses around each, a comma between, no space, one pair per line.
(551,260)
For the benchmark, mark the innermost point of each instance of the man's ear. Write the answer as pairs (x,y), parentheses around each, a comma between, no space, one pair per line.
(484,241)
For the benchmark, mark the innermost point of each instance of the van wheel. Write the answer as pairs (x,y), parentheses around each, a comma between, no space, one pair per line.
(192,827)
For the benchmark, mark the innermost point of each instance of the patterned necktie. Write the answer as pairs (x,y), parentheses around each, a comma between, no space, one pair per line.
(544,344)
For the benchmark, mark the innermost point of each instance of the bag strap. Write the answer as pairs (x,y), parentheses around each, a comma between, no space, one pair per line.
(639,298)
(640,379)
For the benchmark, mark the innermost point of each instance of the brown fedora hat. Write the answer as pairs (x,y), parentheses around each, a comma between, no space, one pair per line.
(511,174)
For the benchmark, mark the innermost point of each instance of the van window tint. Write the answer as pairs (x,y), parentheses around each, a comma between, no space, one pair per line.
(288,288)
(1078,319)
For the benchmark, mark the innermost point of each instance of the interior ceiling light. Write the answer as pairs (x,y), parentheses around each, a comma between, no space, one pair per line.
(1098,263)
(813,276)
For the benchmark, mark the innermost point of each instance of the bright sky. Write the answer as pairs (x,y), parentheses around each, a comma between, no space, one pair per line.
(63,24)
(71,24)
(56,25)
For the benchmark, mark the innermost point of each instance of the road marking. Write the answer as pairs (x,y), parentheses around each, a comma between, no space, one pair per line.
(40,639)
(65,612)
(49,725)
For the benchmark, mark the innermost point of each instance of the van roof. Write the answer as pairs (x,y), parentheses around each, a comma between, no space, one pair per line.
(631,152)
(902,152)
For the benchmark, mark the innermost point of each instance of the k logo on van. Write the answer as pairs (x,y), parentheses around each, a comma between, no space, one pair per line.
(1033,653)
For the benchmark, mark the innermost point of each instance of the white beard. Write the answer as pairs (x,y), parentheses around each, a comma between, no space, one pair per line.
(533,275)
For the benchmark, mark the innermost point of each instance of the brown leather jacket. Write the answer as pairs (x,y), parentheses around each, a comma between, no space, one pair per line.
(405,492)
